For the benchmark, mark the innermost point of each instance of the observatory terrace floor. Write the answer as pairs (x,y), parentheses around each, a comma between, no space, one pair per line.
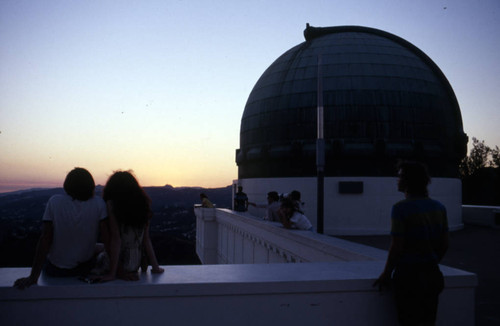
(474,249)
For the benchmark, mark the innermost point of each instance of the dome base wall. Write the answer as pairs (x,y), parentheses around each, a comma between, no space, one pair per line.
(365,213)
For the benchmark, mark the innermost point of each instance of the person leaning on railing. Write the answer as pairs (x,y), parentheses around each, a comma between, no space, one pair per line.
(419,230)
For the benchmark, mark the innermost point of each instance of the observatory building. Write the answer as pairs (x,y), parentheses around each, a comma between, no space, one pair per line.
(383,100)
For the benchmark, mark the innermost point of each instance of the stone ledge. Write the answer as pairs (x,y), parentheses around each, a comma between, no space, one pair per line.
(481,215)
(263,294)
(233,279)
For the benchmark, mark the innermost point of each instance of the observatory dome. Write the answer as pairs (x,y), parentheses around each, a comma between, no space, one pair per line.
(383,98)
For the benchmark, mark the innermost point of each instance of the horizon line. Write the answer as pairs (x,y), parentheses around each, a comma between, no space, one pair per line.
(11,189)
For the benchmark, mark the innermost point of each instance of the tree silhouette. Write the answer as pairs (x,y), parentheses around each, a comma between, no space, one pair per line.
(495,156)
(477,158)
(480,174)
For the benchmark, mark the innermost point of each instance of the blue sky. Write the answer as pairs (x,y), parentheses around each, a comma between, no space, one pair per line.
(159,87)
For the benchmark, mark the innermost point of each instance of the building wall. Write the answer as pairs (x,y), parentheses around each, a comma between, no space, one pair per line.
(354,214)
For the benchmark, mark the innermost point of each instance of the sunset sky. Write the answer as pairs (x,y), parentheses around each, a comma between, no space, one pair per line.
(159,87)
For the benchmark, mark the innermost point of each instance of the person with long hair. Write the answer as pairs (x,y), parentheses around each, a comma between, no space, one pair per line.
(70,230)
(129,211)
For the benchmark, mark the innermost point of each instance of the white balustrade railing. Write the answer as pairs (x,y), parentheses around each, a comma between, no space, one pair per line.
(228,237)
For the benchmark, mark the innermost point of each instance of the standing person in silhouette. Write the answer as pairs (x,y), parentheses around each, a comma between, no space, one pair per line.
(205,202)
(129,211)
(71,224)
(419,241)
(272,207)
(240,200)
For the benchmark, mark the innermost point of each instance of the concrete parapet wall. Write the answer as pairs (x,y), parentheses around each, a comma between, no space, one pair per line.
(481,215)
(336,293)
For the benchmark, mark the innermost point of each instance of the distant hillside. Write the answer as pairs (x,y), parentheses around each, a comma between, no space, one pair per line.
(173,225)
(169,195)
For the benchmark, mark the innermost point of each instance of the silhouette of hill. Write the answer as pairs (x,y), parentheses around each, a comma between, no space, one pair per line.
(173,226)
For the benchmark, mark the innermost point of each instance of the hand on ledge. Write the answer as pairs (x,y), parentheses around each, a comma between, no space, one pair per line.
(157,270)
(384,280)
(154,270)
(25,282)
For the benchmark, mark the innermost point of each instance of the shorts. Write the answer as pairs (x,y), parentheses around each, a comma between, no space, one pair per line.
(416,291)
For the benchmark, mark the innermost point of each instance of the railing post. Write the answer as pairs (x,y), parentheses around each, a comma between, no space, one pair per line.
(206,234)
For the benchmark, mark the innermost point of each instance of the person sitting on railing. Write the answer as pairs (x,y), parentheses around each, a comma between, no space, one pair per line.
(292,218)
(129,211)
(205,202)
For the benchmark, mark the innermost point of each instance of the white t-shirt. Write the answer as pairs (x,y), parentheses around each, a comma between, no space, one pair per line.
(76,228)
(300,221)
(272,211)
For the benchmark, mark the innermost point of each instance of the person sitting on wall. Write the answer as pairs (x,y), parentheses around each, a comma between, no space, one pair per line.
(205,202)
(272,207)
(71,225)
(419,229)
(291,218)
(129,211)
(240,200)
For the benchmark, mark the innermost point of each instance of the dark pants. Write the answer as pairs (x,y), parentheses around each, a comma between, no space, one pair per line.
(416,291)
